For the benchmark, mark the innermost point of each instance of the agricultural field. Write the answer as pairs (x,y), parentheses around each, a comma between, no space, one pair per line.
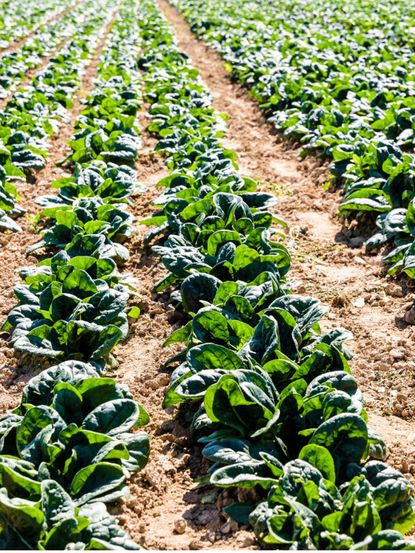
(207,236)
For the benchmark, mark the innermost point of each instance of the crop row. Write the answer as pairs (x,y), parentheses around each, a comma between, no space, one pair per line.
(18,19)
(69,447)
(340,80)
(34,113)
(273,399)
(14,65)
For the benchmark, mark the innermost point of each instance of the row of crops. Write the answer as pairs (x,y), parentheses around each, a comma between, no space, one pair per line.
(35,112)
(15,64)
(69,447)
(19,20)
(271,397)
(338,78)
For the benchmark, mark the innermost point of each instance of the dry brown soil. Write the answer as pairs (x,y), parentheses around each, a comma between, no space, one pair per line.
(164,512)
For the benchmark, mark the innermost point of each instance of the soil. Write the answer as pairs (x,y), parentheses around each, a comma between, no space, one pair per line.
(165,510)
(17,369)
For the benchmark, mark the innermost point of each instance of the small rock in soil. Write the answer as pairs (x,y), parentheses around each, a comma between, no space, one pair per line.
(152,479)
(359,302)
(394,290)
(165,464)
(211,536)
(180,526)
(397,353)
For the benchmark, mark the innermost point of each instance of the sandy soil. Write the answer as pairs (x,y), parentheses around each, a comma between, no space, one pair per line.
(164,512)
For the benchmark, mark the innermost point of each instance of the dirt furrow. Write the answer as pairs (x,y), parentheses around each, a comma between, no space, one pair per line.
(164,512)
(16,369)
(328,260)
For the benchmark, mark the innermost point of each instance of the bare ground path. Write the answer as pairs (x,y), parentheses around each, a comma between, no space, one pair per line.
(163,511)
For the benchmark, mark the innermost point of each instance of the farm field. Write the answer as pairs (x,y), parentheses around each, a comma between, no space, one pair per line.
(207,244)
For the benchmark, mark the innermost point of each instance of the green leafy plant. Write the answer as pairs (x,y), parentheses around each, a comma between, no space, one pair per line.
(67,449)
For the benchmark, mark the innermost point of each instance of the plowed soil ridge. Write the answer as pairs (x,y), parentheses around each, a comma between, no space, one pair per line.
(164,511)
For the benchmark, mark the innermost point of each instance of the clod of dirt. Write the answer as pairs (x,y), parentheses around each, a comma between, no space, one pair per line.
(245,539)
(397,353)
(359,302)
(409,316)
(339,301)
(394,290)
